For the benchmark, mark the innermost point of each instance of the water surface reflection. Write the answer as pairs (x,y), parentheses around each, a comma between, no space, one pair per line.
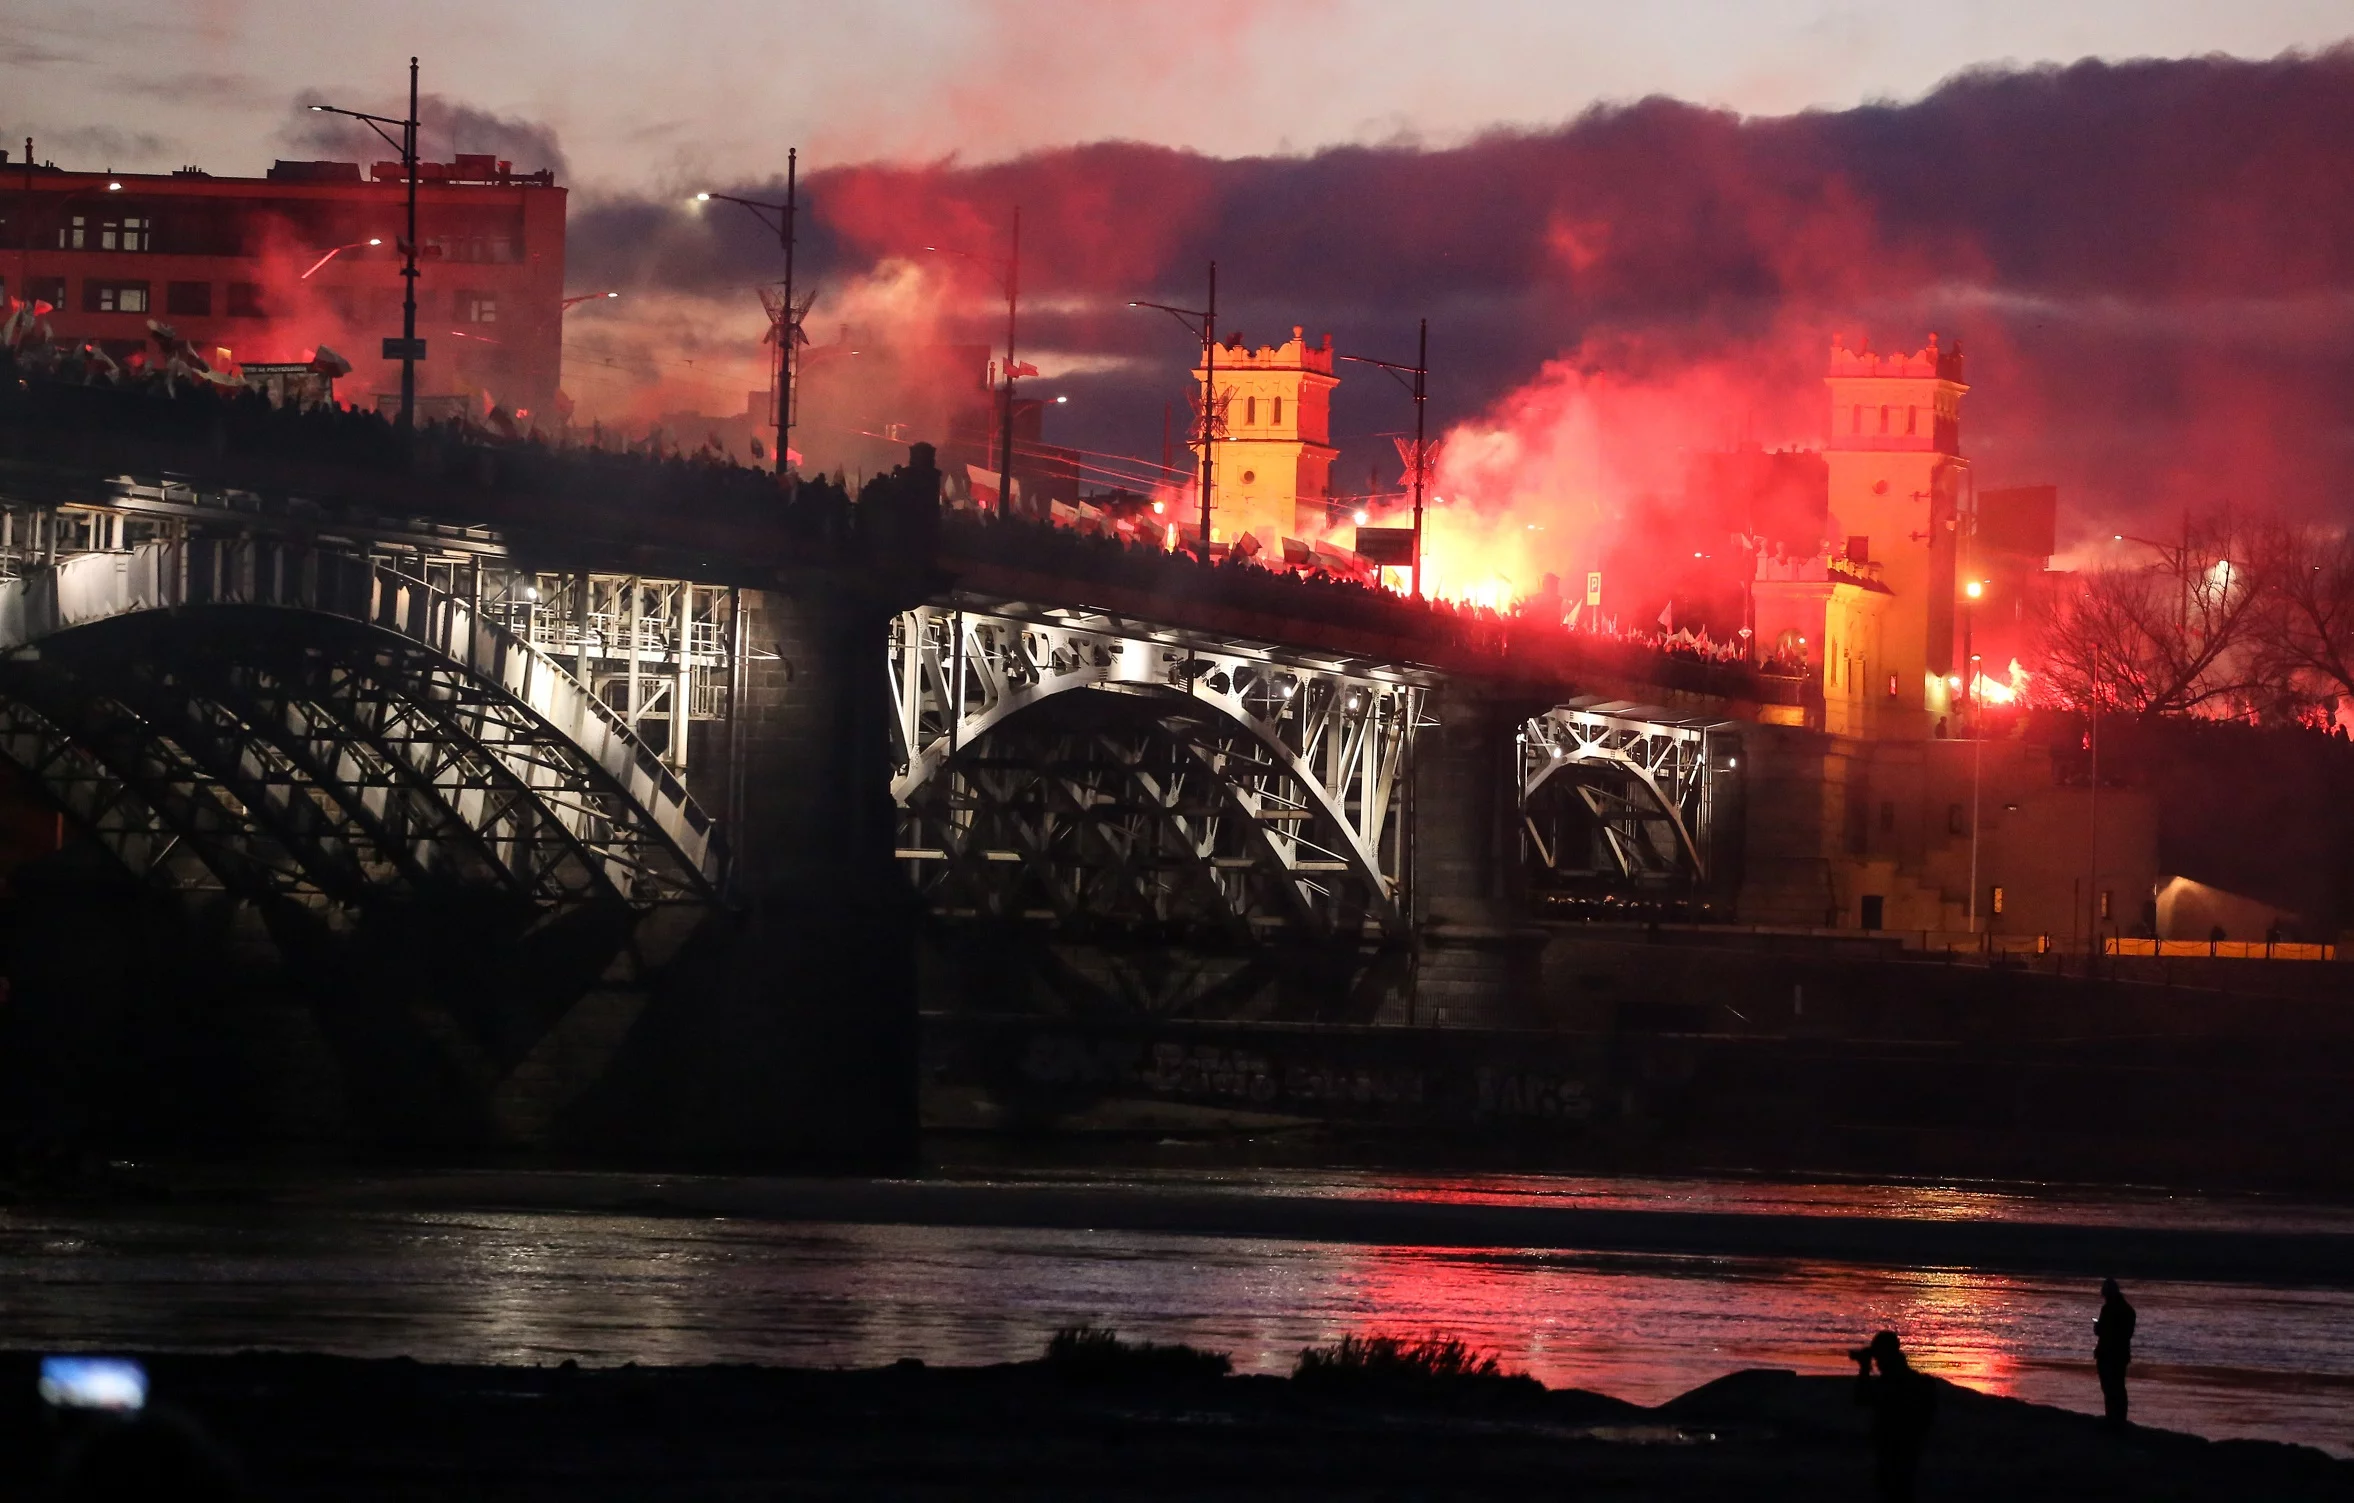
(605,1289)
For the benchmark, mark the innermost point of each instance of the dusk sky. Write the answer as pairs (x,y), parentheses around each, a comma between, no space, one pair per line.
(647,96)
(1634,228)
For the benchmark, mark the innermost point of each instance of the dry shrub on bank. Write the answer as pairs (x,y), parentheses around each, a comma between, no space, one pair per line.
(1430,1364)
(1094,1354)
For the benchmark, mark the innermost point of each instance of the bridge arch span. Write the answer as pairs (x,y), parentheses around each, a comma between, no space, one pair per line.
(291,725)
(1269,787)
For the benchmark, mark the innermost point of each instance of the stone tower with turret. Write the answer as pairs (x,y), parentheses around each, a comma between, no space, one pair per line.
(1897,485)
(1274,466)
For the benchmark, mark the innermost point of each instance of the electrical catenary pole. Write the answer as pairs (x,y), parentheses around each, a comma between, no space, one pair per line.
(1420,465)
(408,349)
(787,321)
(1005,441)
(1209,419)
(1008,274)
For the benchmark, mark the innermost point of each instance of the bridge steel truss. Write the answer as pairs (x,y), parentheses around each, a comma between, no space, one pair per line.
(1645,775)
(288,722)
(1197,785)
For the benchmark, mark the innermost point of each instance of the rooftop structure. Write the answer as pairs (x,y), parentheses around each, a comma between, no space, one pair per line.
(268,269)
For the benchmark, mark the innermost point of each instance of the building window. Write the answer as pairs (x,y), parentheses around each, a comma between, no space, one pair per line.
(1912,420)
(1277,420)
(478,307)
(195,299)
(74,234)
(245,300)
(50,290)
(1249,475)
(114,297)
(132,232)
(1250,412)
(1887,817)
(1956,822)
(1855,419)
(1883,420)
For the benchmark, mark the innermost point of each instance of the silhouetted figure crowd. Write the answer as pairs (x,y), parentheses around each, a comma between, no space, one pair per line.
(1904,1405)
(2112,1349)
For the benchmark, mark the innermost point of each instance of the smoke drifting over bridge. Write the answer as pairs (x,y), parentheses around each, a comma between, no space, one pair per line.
(2150,265)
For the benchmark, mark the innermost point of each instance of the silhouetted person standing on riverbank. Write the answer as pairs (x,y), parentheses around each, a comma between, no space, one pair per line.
(1903,1403)
(2112,1348)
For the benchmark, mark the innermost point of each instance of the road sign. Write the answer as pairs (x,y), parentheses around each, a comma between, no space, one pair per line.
(396,348)
(1390,546)
(1594,587)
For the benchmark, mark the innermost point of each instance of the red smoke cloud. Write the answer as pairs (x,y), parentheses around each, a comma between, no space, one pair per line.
(2150,266)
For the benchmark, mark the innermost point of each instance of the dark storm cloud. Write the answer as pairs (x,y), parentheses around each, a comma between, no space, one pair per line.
(448,127)
(2151,263)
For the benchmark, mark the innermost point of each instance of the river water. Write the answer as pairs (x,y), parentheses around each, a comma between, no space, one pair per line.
(398,1272)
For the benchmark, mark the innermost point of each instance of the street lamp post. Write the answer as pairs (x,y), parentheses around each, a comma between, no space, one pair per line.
(410,348)
(1970,594)
(1009,280)
(1420,371)
(788,329)
(1209,424)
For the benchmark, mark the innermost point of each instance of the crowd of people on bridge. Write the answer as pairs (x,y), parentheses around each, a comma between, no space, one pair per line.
(75,406)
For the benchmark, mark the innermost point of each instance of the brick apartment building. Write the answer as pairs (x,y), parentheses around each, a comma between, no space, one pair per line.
(270,268)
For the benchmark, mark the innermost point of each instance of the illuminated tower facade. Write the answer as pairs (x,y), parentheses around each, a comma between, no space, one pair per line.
(1897,480)
(1274,466)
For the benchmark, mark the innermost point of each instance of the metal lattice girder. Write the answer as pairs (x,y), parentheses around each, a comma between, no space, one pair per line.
(143,793)
(1651,795)
(552,784)
(100,801)
(1257,759)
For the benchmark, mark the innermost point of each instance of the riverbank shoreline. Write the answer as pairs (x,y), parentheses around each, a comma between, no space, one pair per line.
(304,1426)
(2309,1258)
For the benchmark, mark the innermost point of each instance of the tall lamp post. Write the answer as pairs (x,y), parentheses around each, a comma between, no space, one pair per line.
(1209,425)
(788,329)
(409,349)
(1420,371)
(1008,276)
(1970,593)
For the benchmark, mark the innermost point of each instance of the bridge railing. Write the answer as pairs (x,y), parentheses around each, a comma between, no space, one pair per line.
(738,518)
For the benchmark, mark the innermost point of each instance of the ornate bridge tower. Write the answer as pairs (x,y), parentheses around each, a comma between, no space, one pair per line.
(1897,476)
(1275,463)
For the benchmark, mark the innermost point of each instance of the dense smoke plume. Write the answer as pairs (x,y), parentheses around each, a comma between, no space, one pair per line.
(2150,266)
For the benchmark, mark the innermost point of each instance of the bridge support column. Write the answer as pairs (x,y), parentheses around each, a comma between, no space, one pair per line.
(807,1049)
(1476,956)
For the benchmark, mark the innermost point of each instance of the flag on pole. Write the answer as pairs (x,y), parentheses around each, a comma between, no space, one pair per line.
(1667,617)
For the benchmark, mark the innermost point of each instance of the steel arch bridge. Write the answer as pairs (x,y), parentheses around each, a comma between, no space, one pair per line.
(1643,776)
(309,731)
(1177,786)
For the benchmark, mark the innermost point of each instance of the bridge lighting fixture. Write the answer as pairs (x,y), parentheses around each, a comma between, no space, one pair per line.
(1974,588)
(114,187)
(1060,400)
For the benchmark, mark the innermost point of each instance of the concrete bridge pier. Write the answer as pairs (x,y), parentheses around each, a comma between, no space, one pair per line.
(1476,962)
(790,1039)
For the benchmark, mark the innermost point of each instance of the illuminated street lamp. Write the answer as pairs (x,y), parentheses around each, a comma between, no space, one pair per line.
(788,329)
(1209,427)
(1008,276)
(571,303)
(1971,593)
(408,349)
(339,250)
(1420,371)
